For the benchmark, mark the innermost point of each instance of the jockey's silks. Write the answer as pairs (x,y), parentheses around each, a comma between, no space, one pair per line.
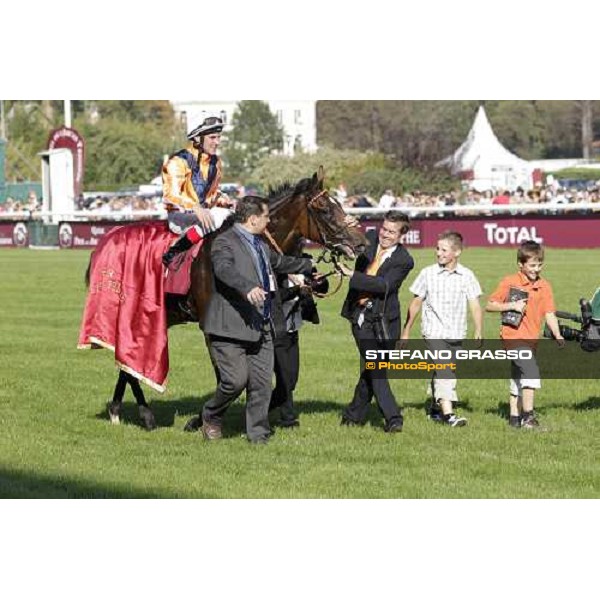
(187,183)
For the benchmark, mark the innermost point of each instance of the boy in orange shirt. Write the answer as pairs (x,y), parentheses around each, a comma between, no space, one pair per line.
(537,307)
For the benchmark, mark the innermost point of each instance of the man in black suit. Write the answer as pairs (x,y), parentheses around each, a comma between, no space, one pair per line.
(297,306)
(239,319)
(373,309)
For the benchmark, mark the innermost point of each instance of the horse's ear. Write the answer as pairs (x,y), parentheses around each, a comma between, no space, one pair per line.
(321,176)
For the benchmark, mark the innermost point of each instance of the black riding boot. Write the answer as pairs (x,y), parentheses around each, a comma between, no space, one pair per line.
(181,245)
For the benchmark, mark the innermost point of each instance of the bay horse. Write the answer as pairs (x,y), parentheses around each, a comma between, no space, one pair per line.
(303,211)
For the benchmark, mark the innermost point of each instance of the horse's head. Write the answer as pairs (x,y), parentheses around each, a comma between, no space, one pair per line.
(306,210)
(329,219)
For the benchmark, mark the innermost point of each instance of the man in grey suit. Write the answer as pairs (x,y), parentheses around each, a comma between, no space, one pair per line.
(239,320)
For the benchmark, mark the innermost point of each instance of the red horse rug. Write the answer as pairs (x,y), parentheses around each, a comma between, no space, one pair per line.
(125,309)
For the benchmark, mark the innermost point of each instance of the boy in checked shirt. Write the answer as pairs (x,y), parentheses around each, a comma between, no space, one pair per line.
(444,291)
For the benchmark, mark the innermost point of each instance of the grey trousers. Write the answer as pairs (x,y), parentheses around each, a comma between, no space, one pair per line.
(242,365)
(443,382)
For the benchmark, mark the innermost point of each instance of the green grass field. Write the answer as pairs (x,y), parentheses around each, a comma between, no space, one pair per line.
(56,441)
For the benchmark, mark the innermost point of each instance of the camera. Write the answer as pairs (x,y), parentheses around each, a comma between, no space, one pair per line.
(569,333)
(588,335)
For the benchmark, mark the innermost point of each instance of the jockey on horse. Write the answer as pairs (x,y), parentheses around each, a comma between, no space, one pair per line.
(191,179)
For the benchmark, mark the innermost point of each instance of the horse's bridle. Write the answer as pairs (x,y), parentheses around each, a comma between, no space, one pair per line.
(313,221)
(332,258)
(330,245)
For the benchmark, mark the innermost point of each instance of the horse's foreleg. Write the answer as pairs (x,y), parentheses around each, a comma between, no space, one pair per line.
(114,407)
(146,415)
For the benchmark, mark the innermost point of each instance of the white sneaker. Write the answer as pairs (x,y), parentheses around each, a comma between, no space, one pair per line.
(455,421)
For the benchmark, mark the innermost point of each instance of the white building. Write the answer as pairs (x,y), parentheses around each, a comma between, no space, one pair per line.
(297,117)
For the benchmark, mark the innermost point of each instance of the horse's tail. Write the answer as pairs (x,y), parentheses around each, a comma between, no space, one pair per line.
(87,273)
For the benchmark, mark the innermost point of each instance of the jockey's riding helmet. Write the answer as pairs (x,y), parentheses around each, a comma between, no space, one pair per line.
(208,126)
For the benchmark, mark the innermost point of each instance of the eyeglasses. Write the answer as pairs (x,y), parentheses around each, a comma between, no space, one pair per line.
(212,121)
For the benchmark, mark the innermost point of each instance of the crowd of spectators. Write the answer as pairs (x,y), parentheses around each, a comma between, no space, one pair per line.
(30,205)
(120,204)
(552,196)
(100,204)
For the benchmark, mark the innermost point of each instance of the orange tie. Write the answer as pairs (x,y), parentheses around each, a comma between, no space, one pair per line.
(374,266)
(372,270)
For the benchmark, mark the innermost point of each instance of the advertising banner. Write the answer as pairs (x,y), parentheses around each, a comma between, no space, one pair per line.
(14,234)
(507,231)
(502,231)
(79,234)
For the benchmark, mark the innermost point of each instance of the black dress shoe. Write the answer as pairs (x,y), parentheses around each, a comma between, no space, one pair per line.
(289,424)
(394,427)
(193,424)
(260,441)
(211,431)
(346,422)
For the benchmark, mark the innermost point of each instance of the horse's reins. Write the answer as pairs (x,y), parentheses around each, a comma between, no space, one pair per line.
(320,230)
(273,242)
(335,271)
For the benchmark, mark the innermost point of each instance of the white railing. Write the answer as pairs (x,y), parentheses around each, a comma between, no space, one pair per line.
(84,215)
(412,211)
(479,209)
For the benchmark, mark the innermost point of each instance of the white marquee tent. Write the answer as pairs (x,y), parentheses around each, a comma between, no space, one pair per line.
(483,163)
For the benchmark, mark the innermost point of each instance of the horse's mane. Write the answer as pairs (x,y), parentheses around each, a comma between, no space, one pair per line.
(278,195)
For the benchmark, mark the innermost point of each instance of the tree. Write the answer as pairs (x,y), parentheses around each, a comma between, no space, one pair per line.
(256,134)
(122,153)
(413,133)
(27,133)
(362,172)
(587,130)
(419,133)
(158,112)
(125,141)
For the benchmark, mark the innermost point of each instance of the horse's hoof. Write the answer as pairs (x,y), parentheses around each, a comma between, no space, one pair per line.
(147,418)
(114,410)
(193,424)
